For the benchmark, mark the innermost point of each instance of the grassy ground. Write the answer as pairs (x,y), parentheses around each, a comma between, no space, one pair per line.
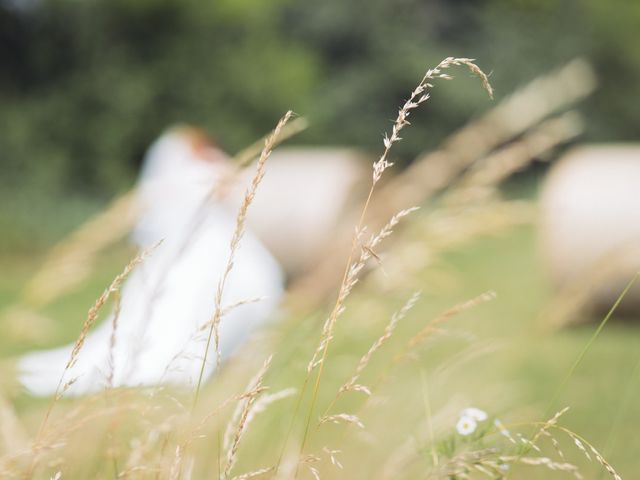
(498,356)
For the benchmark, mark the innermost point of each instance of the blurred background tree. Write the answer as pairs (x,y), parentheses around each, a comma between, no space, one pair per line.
(91,83)
(86,85)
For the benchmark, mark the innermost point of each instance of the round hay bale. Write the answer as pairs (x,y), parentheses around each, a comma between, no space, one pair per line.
(304,196)
(590,224)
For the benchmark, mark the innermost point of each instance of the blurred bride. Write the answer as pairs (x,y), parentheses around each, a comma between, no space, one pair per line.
(159,335)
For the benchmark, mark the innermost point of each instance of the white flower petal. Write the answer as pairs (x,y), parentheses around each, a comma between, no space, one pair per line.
(475,413)
(466,425)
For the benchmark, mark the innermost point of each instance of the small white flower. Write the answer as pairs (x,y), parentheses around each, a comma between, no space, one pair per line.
(466,425)
(475,413)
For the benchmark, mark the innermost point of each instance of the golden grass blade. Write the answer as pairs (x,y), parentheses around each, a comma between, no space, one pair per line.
(71,261)
(434,171)
(13,435)
(419,338)
(241,421)
(485,175)
(246,155)
(92,315)
(388,331)
(510,118)
(269,144)
(418,96)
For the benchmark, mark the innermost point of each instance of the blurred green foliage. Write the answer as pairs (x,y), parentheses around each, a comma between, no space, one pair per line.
(86,85)
(93,82)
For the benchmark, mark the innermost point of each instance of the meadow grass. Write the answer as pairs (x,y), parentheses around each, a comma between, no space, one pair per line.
(383,401)
(521,368)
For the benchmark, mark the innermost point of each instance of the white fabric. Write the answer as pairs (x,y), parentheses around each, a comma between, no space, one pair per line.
(167,299)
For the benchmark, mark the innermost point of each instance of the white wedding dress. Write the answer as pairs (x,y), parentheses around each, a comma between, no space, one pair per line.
(170,297)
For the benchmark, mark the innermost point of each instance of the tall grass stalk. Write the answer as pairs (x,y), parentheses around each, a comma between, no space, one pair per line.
(621,411)
(588,345)
(238,233)
(92,315)
(161,440)
(418,96)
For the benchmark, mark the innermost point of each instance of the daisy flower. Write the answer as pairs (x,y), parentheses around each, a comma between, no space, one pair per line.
(466,425)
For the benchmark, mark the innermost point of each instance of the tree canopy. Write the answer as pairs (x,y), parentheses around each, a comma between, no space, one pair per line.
(86,85)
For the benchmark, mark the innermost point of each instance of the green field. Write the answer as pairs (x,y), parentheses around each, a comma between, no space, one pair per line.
(499,356)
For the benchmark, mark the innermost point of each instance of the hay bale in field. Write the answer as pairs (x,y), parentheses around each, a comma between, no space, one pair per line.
(590,224)
(301,201)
